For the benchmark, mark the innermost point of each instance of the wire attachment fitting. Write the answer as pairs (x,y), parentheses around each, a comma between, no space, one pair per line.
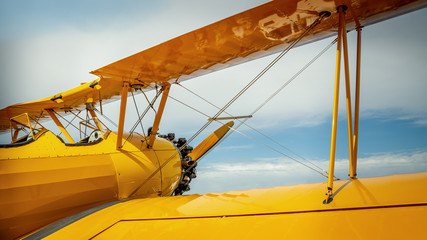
(329,197)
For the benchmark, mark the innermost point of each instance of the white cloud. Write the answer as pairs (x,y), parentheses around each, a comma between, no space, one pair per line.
(393,85)
(234,147)
(259,173)
(422,122)
(60,60)
(63,58)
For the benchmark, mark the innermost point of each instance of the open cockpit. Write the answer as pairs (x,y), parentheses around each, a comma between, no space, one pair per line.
(24,130)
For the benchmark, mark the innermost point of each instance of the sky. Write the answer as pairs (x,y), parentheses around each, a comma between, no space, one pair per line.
(50,46)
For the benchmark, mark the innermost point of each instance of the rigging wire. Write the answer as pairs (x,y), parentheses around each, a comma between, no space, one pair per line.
(277,92)
(148,101)
(245,135)
(87,117)
(150,104)
(192,108)
(107,118)
(243,122)
(69,123)
(270,65)
(25,130)
(39,117)
(75,115)
(264,103)
(137,111)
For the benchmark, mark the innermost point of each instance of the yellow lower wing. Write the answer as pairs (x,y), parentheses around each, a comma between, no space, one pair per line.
(392,207)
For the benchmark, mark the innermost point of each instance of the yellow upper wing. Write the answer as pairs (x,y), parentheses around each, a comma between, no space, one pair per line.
(252,34)
(69,100)
(257,32)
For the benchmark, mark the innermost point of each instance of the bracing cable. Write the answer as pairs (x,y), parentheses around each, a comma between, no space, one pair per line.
(150,105)
(137,111)
(75,115)
(245,135)
(283,53)
(107,118)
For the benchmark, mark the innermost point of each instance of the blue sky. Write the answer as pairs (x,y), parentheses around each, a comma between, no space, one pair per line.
(50,46)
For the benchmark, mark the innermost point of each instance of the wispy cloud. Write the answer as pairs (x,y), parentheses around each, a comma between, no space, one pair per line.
(393,84)
(235,147)
(421,122)
(256,173)
(306,102)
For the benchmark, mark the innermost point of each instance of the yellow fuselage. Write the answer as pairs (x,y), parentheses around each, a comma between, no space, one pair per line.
(46,180)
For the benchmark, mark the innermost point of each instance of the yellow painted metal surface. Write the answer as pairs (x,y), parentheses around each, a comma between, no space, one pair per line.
(46,180)
(42,181)
(361,209)
(357,100)
(60,126)
(159,114)
(257,32)
(125,90)
(335,108)
(348,99)
(342,225)
(95,119)
(71,99)
(210,141)
(171,162)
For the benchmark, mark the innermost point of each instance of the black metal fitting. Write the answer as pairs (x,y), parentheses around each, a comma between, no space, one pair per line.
(344,8)
(324,14)
(55,98)
(92,85)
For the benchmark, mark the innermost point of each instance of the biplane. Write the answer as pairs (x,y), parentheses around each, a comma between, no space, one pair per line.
(109,183)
